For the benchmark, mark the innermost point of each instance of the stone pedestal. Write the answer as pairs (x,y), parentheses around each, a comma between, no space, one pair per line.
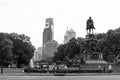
(96,57)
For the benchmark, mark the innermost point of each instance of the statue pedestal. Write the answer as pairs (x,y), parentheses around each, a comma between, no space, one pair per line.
(95,57)
(95,62)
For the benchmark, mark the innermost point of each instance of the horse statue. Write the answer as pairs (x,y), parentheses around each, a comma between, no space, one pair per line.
(90,26)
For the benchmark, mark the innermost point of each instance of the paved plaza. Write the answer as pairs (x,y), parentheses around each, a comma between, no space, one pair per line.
(107,77)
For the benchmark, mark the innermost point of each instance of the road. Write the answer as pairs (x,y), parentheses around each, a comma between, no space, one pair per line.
(108,77)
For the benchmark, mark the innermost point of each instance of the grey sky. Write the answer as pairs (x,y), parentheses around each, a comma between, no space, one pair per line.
(28,16)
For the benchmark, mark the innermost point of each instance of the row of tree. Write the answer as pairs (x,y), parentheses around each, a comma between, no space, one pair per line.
(106,43)
(15,48)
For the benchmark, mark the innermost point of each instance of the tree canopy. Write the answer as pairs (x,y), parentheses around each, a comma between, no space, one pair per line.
(16,47)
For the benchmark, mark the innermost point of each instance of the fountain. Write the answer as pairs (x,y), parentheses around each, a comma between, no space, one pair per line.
(31,64)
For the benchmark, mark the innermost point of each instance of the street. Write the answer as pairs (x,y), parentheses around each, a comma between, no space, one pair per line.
(108,77)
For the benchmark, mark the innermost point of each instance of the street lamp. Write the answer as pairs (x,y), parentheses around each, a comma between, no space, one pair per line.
(16,57)
(79,65)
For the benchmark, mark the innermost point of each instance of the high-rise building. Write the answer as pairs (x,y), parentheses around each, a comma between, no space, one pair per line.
(38,54)
(47,33)
(69,35)
(49,24)
(50,48)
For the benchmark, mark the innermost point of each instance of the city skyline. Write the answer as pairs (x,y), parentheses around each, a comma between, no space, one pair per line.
(28,17)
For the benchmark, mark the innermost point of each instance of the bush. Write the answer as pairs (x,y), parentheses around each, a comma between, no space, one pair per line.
(35,70)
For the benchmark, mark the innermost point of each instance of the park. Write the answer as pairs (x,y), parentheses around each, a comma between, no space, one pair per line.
(97,53)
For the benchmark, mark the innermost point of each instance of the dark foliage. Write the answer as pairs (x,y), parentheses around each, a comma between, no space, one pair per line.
(15,47)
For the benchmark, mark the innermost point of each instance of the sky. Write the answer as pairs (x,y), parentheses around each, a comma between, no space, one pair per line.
(28,17)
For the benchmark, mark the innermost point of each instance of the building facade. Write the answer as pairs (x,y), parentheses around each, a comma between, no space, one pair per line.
(48,33)
(38,54)
(50,48)
(69,35)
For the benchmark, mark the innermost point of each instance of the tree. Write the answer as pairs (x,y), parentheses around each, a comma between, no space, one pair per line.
(100,36)
(109,45)
(60,54)
(72,48)
(15,47)
(23,48)
(6,46)
(66,52)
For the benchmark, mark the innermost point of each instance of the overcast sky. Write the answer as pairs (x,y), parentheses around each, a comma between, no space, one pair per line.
(28,16)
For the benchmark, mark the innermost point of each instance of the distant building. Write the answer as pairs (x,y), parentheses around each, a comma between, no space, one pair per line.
(38,54)
(49,24)
(69,35)
(48,33)
(50,48)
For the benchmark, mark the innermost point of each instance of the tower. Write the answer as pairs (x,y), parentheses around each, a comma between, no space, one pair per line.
(48,32)
(50,48)
(69,35)
(49,24)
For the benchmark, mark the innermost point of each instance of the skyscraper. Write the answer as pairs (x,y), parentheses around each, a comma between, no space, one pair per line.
(69,35)
(47,33)
(49,24)
(38,54)
(50,48)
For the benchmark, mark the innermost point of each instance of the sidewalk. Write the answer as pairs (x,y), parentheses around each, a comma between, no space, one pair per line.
(26,74)
(58,74)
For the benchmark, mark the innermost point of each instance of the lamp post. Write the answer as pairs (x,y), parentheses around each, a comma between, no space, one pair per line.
(1,65)
(79,68)
(54,69)
(16,57)
(28,68)
(79,65)
(1,69)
